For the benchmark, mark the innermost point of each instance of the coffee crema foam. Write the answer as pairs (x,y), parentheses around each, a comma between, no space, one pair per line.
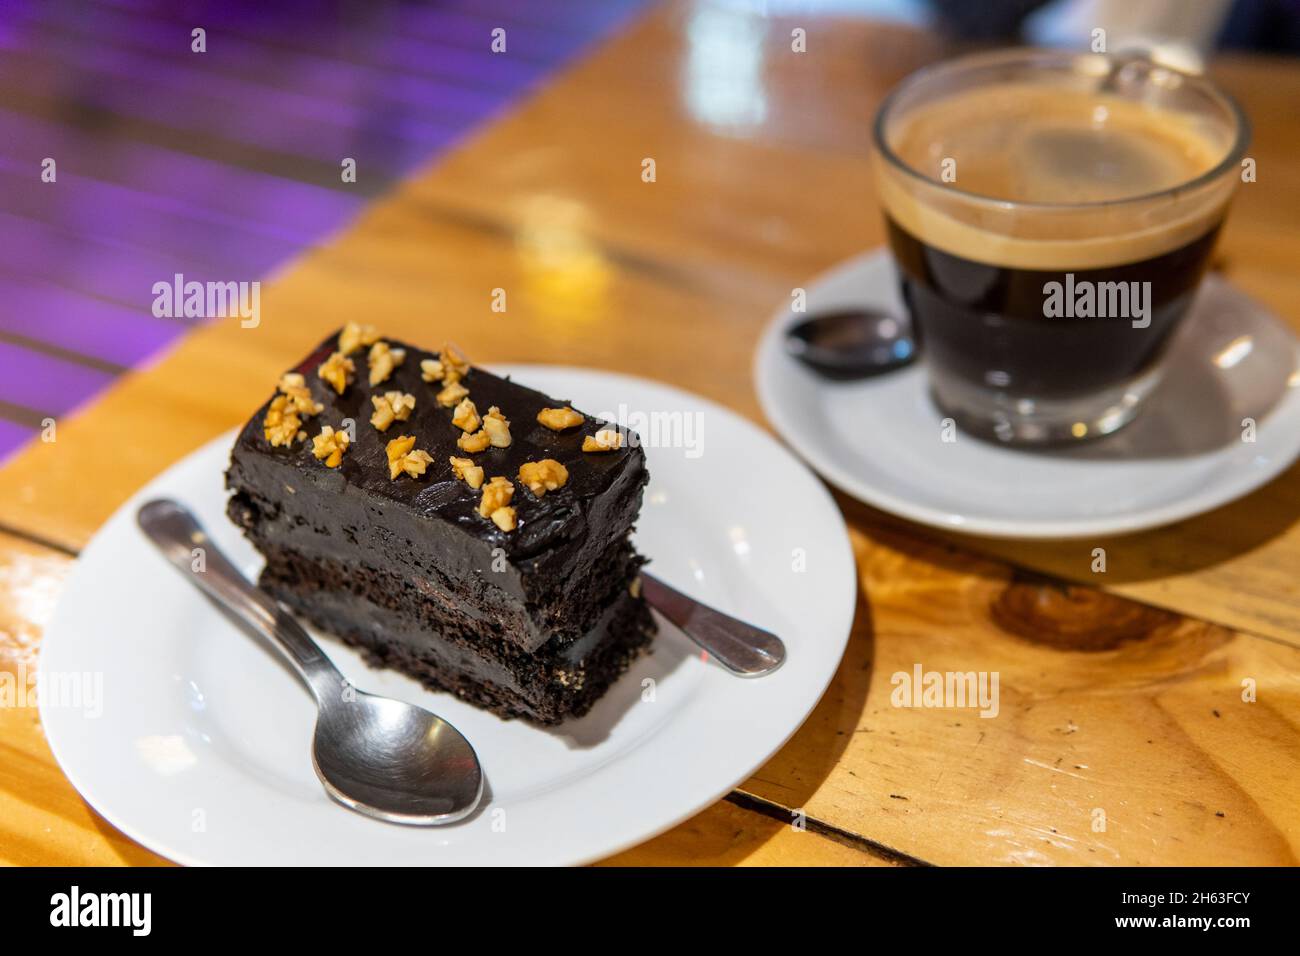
(1055,148)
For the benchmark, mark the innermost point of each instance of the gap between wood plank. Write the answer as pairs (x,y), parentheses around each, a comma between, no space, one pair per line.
(32,538)
(775,811)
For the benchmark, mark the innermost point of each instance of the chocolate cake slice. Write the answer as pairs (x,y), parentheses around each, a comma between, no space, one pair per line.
(458,527)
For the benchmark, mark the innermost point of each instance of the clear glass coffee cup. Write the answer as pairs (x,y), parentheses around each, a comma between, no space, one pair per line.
(1051,215)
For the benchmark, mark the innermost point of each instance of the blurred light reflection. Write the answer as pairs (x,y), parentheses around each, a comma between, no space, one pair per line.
(566,274)
(165,754)
(1234,351)
(724,68)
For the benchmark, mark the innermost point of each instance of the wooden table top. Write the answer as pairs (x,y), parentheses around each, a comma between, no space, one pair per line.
(1122,693)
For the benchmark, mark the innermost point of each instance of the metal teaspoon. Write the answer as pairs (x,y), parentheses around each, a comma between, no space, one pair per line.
(852,343)
(381,757)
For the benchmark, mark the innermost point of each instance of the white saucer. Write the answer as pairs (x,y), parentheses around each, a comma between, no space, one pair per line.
(201,752)
(880,440)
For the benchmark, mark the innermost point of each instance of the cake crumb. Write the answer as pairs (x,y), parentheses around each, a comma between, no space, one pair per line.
(497,427)
(391,407)
(543,476)
(383,359)
(330,445)
(466,416)
(558,419)
(571,679)
(337,370)
(354,336)
(607,439)
(467,471)
(403,458)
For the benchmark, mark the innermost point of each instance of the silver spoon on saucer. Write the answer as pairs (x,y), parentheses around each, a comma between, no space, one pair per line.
(381,757)
(852,343)
(743,649)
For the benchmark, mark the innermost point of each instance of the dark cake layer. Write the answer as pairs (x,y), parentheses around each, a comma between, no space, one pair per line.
(564,612)
(439,603)
(447,649)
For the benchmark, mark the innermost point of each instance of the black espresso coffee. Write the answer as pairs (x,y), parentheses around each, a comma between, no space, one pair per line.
(1048,237)
(985,325)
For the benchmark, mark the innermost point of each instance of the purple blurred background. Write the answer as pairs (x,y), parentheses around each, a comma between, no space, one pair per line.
(219,165)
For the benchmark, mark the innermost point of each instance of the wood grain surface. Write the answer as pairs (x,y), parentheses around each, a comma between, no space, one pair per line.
(1124,732)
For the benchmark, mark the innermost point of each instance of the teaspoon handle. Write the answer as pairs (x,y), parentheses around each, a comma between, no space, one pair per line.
(179,536)
(741,648)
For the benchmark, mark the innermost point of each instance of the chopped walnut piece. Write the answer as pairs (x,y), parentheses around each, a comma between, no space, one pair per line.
(466,417)
(330,445)
(396,450)
(467,471)
(354,336)
(504,518)
(543,476)
(401,458)
(282,424)
(383,359)
(558,419)
(451,394)
(449,367)
(417,462)
(455,365)
(391,407)
(337,370)
(399,446)
(475,443)
(302,402)
(431,370)
(403,404)
(496,494)
(294,386)
(607,439)
(497,427)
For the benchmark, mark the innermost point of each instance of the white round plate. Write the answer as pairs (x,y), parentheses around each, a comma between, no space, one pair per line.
(881,439)
(199,745)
